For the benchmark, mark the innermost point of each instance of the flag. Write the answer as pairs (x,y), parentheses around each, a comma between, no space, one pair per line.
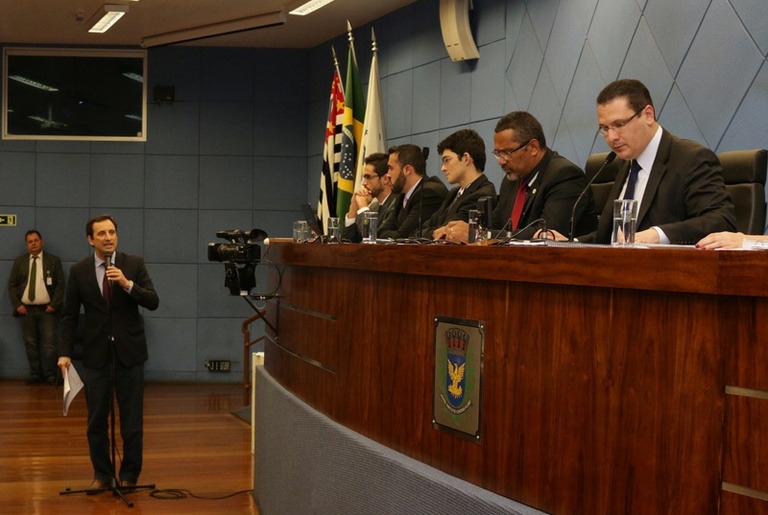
(326,205)
(352,130)
(374,133)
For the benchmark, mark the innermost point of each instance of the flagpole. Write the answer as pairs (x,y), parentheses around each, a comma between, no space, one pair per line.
(336,67)
(351,39)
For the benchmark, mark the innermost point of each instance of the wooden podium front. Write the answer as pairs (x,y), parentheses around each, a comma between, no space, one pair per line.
(614,381)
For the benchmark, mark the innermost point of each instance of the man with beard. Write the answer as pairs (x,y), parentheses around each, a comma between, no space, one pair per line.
(540,184)
(375,195)
(422,194)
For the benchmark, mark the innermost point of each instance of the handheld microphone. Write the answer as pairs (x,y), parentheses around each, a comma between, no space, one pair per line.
(608,159)
(107,263)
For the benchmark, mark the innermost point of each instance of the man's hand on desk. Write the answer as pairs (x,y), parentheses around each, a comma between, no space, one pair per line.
(647,236)
(457,231)
(550,235)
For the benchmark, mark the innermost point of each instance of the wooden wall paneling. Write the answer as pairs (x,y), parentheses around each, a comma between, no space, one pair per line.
(746,445)
(596,399)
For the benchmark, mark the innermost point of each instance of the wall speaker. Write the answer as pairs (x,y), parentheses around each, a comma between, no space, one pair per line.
(457,35)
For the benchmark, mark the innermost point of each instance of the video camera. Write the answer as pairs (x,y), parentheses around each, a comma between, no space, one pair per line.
(240,257)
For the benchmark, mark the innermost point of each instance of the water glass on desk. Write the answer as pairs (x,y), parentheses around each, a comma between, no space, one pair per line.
(624,221)
(475,228)
(370,226)
(300,231)
(334,230)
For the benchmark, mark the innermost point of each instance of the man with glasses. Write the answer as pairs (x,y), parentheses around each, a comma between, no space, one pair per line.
(678,183)
(540,184)
(463,157)
(375,195)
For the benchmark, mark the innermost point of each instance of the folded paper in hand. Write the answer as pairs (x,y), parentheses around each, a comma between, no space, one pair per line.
(72,386)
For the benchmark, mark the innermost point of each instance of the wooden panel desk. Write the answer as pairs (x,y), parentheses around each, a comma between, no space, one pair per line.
(605,370)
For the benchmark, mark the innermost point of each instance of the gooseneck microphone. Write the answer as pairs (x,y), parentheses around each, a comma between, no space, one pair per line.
(608,159)
(425,153)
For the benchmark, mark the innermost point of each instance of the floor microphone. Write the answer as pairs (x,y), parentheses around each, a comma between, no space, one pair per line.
(608,159)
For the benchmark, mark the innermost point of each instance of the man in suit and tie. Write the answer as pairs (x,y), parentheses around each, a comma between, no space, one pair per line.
(678,183)
(463,158)
(114,339)
(422,194)
(375,195)
(36,290)
(539,184)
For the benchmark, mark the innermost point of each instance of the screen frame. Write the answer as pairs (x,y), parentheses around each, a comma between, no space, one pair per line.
(80,53)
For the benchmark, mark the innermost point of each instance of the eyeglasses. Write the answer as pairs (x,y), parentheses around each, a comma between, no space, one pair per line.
(603,130)
(506,154)
(370,177)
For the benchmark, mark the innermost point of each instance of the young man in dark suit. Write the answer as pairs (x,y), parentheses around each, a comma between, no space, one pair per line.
(422,194)
(114,334)
(463,158)
(375,195)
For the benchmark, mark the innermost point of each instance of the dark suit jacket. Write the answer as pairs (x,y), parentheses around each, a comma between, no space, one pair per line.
(685,196)
(551,197)
(52,268)
(459,210)
(427,199)
(127,324)
(386,212)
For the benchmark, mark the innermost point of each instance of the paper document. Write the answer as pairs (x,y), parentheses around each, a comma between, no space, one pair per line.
(72,386)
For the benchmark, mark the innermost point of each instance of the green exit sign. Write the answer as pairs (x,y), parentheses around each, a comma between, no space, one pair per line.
(8,220)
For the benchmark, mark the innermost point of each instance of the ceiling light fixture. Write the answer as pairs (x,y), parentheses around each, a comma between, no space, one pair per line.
(33,83)
(259,21)
(309,7)
(134,76)
(105,17)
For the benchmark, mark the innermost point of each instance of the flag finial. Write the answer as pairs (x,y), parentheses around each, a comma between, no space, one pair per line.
(374,46)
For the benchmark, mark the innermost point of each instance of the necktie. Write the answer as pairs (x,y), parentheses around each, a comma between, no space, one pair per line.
(458,196)
(517,209)
(105,287)
(33,279)
(633,171)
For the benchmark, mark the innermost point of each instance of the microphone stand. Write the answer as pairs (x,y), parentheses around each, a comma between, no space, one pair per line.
(421,203)
(114,486)
(608,159)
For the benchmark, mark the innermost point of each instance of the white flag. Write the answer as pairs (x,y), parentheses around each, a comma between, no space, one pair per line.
(374,132)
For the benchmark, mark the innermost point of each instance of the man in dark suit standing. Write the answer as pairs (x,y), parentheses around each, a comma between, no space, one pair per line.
(678,183)
(463,158)
(375,195)
(422,194)
(36,290)
(114,333)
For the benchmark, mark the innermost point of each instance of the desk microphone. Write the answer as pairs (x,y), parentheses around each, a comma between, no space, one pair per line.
(425,153)
(608,159)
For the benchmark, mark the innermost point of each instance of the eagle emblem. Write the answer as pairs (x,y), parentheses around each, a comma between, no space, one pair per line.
(456,375)
(457,342)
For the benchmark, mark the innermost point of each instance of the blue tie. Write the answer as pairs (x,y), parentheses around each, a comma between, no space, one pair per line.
(629,193)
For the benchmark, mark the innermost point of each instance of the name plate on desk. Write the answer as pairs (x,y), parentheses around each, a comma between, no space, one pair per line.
(458,376)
